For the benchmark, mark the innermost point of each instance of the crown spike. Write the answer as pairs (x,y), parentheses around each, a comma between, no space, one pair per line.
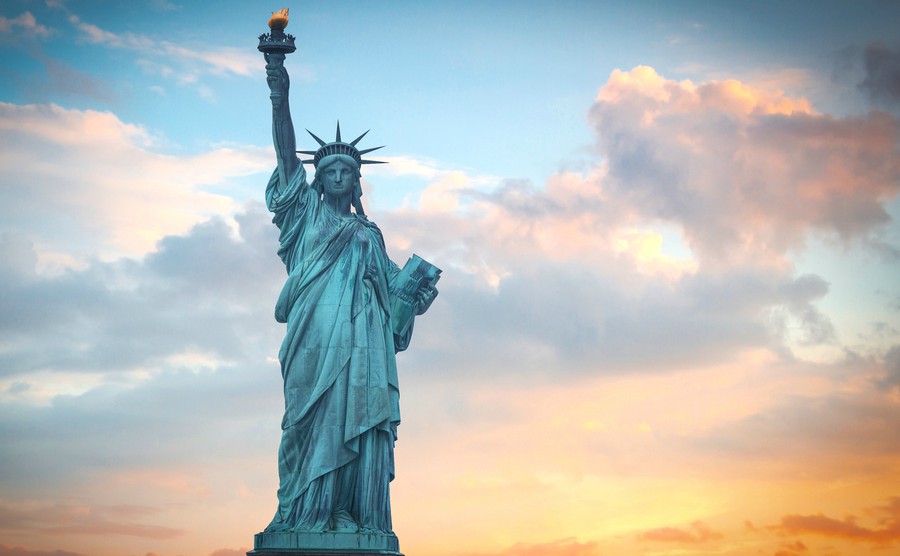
(373,162)
(321,143)
(365,151)
(355,141)
(307,152)
(337,134)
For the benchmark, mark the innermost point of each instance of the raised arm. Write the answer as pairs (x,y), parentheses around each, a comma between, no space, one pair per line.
(282,126)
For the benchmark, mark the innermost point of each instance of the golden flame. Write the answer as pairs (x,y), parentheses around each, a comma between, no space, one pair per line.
(279,19)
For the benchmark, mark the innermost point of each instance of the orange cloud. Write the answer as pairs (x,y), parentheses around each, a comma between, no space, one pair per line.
(792,549)
(886,532)
(22,551)
(98,520)
(697,533)
(230,552)
(561,547)
(746,173)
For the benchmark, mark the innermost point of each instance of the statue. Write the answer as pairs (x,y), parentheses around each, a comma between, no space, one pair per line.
(348,310)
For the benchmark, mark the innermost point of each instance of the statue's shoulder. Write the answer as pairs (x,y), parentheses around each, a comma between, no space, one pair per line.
(370,226)
(364,220)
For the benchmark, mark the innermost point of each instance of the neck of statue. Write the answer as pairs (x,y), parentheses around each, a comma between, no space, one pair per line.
(338,205)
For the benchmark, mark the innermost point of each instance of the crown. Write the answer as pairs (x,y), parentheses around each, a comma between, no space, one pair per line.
(339,147)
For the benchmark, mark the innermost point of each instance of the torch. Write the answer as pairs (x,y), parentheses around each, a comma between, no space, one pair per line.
(277,41)
(275,45)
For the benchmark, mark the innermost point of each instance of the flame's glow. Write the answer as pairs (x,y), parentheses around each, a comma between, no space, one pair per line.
(279,19)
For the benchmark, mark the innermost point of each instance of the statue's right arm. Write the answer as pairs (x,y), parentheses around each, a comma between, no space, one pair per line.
(282,126)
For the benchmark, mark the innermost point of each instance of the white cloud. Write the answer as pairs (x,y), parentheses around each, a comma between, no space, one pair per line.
(26,23)
(85,183)
(182,62)
(219,60)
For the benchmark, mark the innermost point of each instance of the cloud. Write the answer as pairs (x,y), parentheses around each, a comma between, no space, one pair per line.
(561,547)
(230,552)
(80,520)
(22,551)
(73,178)
(58,76)
(63,78)
(892,368)
(139,349)
(698,532)
(217,60)
(554,277)
(165,5)
(792,549)
(853,428)
(183,62)
(26,24)
(746,173)
(882,80)
(885,533)
(135,315)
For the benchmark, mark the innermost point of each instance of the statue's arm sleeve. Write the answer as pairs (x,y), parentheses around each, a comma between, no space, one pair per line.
(290,202)
(401,341)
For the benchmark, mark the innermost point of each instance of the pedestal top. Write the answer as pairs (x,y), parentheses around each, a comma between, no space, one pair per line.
(307,543)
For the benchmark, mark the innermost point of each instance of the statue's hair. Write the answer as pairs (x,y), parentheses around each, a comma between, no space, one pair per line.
(356,196)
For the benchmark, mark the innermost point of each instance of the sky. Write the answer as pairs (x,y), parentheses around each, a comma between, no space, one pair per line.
(669,319)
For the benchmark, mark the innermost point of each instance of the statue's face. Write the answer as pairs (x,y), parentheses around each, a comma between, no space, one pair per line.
(339,179)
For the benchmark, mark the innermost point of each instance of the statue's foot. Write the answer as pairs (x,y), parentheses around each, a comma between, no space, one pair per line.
(343,522)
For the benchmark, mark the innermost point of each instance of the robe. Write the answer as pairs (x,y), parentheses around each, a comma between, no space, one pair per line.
(338,362)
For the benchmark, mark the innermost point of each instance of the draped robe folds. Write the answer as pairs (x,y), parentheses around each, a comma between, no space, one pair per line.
(338,362)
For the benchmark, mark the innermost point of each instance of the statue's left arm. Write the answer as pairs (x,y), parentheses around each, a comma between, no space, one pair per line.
(423,300)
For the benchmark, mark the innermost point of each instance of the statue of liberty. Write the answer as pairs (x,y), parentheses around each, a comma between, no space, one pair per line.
(336,457)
